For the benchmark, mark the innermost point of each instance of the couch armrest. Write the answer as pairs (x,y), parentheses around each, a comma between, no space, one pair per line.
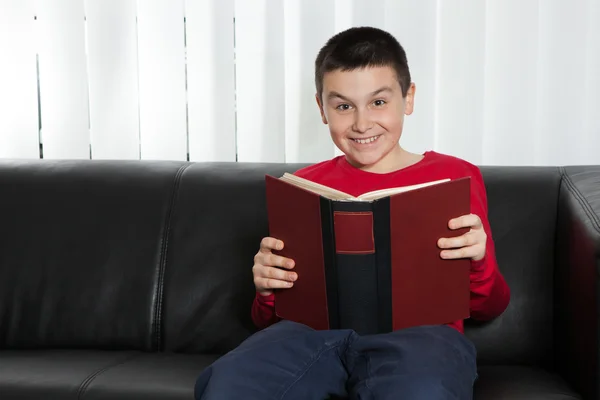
(577,280)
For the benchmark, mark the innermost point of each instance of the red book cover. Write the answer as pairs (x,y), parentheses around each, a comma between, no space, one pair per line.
(427,289)
(295,218)
(373,266)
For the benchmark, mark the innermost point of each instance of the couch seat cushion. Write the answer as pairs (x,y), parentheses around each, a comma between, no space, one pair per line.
(95,375)
(520,383)
(84,375)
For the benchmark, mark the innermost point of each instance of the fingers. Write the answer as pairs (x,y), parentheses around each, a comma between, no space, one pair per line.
(267,271)
(273,260)
(468,239)
(465,252)
(470,245)
(269,244)
(267,258)
(466,221)
(266,284)
(268,278)
(262,271)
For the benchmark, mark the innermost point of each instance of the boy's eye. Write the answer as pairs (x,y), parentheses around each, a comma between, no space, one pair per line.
(379,103)
(343,107)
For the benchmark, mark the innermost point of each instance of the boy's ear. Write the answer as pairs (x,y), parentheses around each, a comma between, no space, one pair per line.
(321,110)
(409,101)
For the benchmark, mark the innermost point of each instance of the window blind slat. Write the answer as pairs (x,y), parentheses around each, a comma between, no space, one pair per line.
(63,79)
(460,83)
(211,80)
(19,135)
(260,89)
(510,82)
(307,28)
(113,77)
(162,94)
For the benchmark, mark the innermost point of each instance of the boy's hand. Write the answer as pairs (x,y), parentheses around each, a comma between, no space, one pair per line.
(470,245)
(266,274)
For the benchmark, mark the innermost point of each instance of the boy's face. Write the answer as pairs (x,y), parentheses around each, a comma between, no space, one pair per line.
(365,112)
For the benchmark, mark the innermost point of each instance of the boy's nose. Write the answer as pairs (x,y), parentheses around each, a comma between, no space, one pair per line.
(362,122)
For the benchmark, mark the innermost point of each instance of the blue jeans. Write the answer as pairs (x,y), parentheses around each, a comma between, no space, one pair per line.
(292,361)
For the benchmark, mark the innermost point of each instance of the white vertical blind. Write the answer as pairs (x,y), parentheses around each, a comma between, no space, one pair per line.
(260,89)
(498,82)
(343,15)
(307,27)
(63,79)
(113,77)
(561,72)
(368,12)
(211,80)
(18,81)
(161,52)
(591,136)
(460,78)
(511,84)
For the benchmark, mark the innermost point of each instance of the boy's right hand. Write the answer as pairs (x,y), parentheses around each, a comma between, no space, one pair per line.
(266,274)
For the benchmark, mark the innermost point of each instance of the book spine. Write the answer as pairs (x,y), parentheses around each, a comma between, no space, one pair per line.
(330,262)
(356,261)
(381,213)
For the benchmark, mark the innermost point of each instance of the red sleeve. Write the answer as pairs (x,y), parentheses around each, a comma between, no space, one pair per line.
(490,294)
(263,311)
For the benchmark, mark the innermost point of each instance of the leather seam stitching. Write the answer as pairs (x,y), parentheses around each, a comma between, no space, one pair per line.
(87,381)
(163,257)
(589,211)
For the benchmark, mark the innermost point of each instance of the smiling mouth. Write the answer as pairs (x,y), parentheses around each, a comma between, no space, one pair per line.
(366,141)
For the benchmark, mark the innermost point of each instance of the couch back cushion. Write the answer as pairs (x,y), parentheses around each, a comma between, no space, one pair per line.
(81,252)
(218,222)
(522,203)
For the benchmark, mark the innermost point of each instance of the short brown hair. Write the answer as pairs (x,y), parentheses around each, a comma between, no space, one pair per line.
(361,47)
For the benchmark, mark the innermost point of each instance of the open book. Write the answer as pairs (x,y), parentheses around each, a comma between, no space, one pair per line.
(334,194)
(369,263)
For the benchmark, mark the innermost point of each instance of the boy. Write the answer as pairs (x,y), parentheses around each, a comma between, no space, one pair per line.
(364,90)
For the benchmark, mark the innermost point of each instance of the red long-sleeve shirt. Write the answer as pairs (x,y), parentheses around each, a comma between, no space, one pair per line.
(489,292)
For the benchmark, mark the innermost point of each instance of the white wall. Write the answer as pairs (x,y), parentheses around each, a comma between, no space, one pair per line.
(504,82)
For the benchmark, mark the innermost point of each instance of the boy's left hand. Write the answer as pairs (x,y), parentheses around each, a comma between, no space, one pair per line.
(470,245)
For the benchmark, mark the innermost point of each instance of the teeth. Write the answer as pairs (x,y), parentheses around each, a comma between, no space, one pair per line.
(365,141)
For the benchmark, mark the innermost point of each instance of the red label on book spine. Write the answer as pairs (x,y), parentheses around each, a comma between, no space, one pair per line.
(354,232)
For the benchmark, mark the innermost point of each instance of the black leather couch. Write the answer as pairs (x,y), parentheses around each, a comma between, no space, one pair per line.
(123,280)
